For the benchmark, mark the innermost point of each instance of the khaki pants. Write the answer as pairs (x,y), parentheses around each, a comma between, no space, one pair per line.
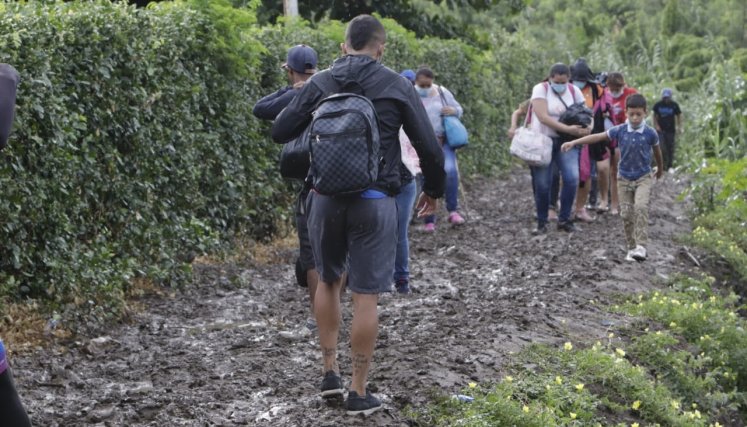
(634,199)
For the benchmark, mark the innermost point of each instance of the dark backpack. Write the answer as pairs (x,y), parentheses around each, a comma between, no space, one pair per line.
(344,139)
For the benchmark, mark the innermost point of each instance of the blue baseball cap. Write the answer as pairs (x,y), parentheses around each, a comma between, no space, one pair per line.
(666,93)
(301,59)
(408,74)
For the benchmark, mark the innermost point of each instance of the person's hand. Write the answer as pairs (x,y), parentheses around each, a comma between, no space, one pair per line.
(577,130)
(511,132)
(426,205)
(299,85)
(567,146)
(449,111)
(659,173)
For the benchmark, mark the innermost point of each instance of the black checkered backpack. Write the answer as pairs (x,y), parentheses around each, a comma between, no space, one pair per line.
(344,139)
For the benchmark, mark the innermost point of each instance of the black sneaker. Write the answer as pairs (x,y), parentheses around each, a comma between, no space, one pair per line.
(362,405)
(402,286)
(332,385)
(541,229)
(568,227)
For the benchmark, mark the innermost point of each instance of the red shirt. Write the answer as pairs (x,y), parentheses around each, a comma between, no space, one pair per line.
(617,110)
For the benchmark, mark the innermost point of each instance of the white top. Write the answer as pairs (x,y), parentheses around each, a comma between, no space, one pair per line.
(555,106)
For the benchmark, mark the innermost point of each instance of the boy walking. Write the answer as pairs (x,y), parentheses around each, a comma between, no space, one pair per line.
(360,230)
(636,142)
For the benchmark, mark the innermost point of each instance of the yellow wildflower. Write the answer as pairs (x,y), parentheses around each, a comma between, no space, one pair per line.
(509,378)
(525,408)
(636,405)
(579,387)
(673,325)
(558,380)
(573,415)
(568,346)
(611,335)
(635,425)
(620,352)
(675,404)
(472,385)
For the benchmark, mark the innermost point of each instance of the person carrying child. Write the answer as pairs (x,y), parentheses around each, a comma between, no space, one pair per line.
(636,141)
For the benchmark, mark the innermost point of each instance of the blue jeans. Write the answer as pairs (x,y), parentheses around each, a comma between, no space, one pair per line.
(452,182)
(405,203)
(567,164)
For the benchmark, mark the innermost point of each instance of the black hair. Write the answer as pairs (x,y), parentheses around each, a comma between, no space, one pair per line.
(425,72)
(615,79)
(363,31)
(635,101)
(559,69)
(580,71)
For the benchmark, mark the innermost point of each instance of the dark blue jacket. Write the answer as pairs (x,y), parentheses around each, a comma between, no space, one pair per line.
(271,105)
(9,79)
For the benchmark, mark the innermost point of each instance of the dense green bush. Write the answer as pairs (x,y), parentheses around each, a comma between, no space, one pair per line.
(134,147)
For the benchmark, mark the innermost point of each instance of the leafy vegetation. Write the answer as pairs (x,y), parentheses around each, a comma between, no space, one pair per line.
(683,364)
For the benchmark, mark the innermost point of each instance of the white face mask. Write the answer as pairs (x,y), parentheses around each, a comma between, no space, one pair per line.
(616,94)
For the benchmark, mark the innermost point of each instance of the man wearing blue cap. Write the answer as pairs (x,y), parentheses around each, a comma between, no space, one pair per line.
(301,65)
(668,122)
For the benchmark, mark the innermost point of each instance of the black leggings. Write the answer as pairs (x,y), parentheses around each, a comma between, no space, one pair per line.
(12,413)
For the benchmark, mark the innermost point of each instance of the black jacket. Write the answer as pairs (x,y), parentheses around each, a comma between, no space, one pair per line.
(396,105)
(271,105)
(9,79)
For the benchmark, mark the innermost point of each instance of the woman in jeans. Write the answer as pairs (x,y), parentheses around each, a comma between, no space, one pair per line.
(438,102)
(549,100)
(405,203)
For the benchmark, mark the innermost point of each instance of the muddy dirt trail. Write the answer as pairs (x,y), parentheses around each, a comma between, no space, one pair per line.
(233,349)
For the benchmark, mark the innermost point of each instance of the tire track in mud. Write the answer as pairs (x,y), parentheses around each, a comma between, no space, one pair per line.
(218,354)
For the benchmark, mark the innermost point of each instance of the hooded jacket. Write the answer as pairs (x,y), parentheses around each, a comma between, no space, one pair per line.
(397,105)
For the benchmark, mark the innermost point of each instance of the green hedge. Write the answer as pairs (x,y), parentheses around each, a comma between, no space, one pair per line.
(134,147)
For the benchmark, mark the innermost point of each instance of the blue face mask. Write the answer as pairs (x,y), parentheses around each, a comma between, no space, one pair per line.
(579,84)
(559,87)
(423,91)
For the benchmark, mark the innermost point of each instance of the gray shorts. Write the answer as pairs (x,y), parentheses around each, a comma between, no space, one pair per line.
(304,244)
(354,234)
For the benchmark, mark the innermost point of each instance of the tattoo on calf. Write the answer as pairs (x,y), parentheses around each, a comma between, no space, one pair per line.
(360,363)
(328,352)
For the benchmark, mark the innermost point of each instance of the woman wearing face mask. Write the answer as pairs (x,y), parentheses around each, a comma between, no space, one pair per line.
(549,100)
(618,92)
(597,155)
(438,102)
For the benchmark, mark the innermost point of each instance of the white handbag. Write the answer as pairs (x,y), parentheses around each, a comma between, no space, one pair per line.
(530,145)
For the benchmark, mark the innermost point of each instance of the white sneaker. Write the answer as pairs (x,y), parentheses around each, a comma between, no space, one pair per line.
(629,256)
(639,253)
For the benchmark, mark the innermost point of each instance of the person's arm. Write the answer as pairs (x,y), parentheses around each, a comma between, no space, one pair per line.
(9,79)
(588,139)
(271,105)
(297,115)
(657,126)
(418,128)
(539,106)
(514,123)
(452,108)
(659,161)
(678,117)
